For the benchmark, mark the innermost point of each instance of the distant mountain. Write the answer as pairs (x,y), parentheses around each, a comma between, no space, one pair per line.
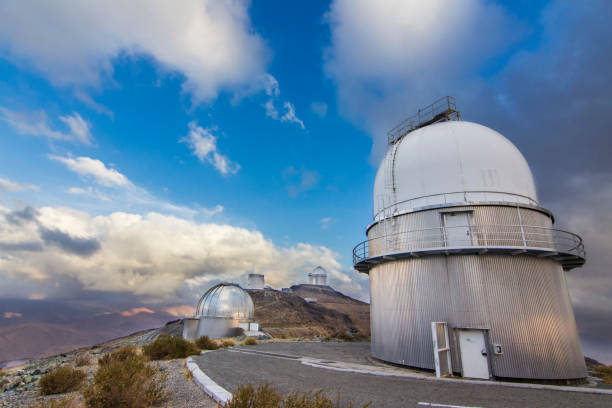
(35,339)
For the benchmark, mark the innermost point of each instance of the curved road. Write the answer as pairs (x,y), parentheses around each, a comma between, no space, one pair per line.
(230,369)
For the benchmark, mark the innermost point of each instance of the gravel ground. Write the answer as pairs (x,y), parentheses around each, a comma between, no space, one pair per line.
(183,392)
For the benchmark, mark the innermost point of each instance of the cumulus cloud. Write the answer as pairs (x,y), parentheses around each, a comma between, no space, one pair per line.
(180,311)
(389,57)
(9,185)
(153,256)
(212,44)
(204,146)
(88,167)
(37,124)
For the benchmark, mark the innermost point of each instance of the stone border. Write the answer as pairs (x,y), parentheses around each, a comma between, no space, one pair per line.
(211,388)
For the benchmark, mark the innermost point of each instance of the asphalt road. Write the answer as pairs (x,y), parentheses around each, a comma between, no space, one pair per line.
(231,369)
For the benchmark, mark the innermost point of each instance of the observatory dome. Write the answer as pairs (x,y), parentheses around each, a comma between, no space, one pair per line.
(319,270)
(451,162)
(227,300)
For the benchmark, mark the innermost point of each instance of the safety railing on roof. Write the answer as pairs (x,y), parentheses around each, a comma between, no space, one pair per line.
(442,109)
(472,236)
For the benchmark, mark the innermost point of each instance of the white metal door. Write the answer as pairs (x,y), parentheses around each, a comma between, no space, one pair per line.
(457,229)
(473,349)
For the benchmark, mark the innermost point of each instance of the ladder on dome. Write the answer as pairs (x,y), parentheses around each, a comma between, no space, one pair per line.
(444,109)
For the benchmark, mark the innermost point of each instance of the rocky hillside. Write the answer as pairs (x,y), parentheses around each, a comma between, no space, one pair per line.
(287,315)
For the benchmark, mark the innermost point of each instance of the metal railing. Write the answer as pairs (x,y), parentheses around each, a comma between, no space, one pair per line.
(451,198)
(481,236)
(443,109)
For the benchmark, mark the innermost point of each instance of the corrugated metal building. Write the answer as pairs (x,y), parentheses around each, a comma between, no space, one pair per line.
(467,273)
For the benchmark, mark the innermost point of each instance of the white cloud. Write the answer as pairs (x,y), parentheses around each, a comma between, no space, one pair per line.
(273,92)
(89,191)
(37,124)
(86,166)
(12,315)
(90,102)
(212,44)
(325,222)
(319,109)
(204,146)
(390,57)
(290,115)
(9,185)
(154,255)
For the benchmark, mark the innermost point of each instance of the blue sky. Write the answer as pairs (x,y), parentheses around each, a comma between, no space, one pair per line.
(104,110)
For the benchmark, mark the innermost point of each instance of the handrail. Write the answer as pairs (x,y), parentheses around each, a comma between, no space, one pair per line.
(445,195)
(466,236)
(444,108)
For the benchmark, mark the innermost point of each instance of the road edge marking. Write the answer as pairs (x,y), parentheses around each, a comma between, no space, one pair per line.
(211,388)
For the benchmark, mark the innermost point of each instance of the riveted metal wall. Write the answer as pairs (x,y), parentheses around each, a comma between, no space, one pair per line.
(522,302)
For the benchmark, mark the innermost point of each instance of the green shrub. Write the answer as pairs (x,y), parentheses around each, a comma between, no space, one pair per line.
(206,343)
(169,348)
(60,380)
(264,396)
(249,341)
(604,372)
(228,343)
(124,379)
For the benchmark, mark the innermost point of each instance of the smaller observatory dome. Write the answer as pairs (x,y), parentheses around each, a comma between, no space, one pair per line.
(451,162)
(227,300)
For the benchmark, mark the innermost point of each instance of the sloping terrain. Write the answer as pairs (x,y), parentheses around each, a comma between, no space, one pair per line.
(289,315)
(358,311)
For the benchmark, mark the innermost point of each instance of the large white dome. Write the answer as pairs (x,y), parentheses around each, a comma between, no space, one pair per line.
(451,162)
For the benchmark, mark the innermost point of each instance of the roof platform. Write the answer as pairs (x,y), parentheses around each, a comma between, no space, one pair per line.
(444,109)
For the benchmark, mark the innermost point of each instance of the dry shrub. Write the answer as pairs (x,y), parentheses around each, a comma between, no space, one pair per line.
(604,372)
(206,343)
(249,341)
(82,360)
(187,371)
(124,379)
(169,348)
(61,380)
(247,396)
(3,373)
(265,396)
(57,403)
(228,343)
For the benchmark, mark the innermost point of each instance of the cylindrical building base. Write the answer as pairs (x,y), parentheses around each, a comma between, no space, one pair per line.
(520,302)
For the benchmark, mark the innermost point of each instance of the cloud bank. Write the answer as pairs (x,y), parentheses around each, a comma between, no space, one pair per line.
(160,258)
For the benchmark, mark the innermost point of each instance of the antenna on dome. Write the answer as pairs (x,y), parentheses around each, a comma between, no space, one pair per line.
(442,110)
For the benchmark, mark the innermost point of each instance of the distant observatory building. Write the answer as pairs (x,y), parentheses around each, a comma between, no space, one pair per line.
(318,276)
(467,273)
(256,281)
(222,311)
